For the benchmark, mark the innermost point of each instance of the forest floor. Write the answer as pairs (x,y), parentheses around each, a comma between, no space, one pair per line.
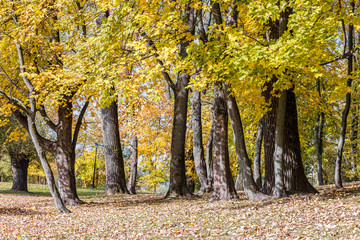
(331,214)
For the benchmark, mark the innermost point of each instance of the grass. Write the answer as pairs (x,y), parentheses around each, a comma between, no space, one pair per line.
(43,190)
(331,214)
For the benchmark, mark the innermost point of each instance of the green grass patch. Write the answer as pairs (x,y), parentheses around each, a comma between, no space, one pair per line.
(43,190)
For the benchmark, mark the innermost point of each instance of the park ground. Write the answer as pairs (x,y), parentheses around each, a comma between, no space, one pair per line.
(331,214)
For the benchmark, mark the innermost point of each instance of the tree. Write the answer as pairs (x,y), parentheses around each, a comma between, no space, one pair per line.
(133,169)
(115,175)
(339,153)
(198,148)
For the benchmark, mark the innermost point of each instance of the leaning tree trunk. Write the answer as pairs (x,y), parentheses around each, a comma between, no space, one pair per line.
(198,148)
(224,188)
(178,185)
(114,163)
(257,154)
(59,204)
(339,153)
(250,188)
(319,129)
(19,168)
(133,169)
(65,156)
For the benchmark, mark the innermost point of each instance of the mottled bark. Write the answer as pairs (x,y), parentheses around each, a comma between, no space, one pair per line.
(198,148)
(257,154)
(239,182)
(133,168)
(319,129)
(114,163)
(19,168)
(345,113)
(65,156)
(224,188)
(59,204)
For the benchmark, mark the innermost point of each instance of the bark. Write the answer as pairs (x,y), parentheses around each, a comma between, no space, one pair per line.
(19,168)
(354,137)
(114,163)
(65,155)
(198,148)
(59,204)
(133,169)
(239,182)
(339,152)
(279,190)
(224,188)
(257,154)
(209,157)
(250,188)
(294,173)
(319,129)
(178,185)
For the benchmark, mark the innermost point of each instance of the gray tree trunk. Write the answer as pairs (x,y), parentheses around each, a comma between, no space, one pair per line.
(339,152)
(59,204)
(133,169)
(257,154)
(114,163)
(224,188)
(279,191)
(250,188)
(198,149)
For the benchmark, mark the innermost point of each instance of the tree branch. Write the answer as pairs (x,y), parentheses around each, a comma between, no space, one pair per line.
(47,119)
(79,122)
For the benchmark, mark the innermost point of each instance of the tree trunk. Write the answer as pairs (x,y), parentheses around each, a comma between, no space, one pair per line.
(354,136)
(209,157)
(294,176)
(224,188)
(279,147)
(294,173)
(114,163)
(319,129)
(250,187)
(178,185)
(59,204)
(198,148)
(257,154)
(65,156)
(239,182)
(339,153)
(133,170)
(19,168)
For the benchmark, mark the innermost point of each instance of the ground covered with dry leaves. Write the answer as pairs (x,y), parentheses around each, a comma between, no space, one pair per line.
(331,214)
